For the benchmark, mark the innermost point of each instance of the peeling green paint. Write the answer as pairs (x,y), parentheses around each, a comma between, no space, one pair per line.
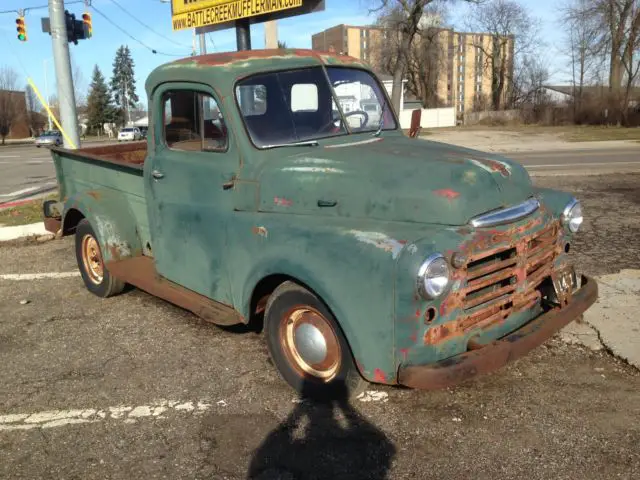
(353,219)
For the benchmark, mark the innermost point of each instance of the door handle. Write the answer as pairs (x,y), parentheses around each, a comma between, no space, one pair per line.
(327,203)
(157,174)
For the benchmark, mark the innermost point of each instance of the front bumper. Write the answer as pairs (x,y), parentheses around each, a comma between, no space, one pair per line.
(493,356)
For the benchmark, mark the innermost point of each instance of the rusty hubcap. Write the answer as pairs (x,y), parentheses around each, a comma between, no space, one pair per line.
(92,259)
(310,343)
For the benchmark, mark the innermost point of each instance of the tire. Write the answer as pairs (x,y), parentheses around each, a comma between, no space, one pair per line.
(326,369)
(89,257)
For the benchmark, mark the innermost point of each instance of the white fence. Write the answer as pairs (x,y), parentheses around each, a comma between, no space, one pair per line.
(431,118)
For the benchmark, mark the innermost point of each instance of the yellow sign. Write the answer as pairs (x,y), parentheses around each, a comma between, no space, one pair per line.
(200,13)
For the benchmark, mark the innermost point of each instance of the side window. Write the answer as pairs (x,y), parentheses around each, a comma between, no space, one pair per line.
(193,122)
(252,99)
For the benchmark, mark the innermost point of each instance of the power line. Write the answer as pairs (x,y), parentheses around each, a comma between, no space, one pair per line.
(147,26)
(26,9)
(210,37)
(152,50)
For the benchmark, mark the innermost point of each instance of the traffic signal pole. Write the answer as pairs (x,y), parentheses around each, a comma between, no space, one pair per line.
(64,79)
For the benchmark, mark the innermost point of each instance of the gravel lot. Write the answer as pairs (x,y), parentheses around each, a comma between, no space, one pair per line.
(198,401)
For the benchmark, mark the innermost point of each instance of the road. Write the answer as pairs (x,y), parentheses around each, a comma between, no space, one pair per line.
(26,168)
(132,387)
(592,161)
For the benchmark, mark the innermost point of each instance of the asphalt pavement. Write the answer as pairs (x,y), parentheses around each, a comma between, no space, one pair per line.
(579,161)
(132,387)
(26,169)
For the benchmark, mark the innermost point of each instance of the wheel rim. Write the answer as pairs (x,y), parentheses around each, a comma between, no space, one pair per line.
(92,259)
(310,343)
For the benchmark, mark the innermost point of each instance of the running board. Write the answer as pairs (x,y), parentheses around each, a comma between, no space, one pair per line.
(141,273)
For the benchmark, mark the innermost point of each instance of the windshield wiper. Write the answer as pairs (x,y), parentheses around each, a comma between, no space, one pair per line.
(306,143)
(381,122)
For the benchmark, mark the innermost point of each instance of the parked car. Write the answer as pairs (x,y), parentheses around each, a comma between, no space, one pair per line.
(129,133)
(49,138)
(143,131)
(367,255)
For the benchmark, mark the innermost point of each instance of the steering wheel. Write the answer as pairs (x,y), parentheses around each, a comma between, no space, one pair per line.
(365,118)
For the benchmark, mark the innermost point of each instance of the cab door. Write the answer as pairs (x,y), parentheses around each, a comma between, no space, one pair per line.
(188,172)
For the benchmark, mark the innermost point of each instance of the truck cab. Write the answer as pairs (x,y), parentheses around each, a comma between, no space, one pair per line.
(276,187)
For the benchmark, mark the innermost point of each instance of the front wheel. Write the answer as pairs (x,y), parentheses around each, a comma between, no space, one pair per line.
(96,277)
(307,345)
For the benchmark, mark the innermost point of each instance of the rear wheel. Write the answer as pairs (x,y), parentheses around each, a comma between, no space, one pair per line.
(307,345)
(96,277)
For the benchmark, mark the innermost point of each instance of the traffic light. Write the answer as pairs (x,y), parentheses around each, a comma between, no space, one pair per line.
(88,28)
(75,28)
(21,28)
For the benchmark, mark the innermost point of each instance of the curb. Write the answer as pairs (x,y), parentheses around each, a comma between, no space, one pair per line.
(19,231)
(27,197)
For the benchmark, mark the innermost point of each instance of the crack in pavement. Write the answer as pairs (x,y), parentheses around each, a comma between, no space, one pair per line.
(611,319)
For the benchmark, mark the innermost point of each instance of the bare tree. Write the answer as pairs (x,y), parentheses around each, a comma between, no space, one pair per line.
(585,60)
(618,24)
(528,82)
(514,35)
(425,59)
(79,84)
(9,101)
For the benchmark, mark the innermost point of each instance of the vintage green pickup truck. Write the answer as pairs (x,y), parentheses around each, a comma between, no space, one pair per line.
(267,194)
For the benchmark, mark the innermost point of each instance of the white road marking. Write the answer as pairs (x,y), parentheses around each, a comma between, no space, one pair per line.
(9,156)
(126,414)
(19,192)
(585,164)
(38,276)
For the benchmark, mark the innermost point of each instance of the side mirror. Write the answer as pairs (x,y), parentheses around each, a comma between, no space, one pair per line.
(416,117)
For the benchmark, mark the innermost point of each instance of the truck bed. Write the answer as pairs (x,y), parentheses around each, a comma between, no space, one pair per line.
(113,172)
(132,153)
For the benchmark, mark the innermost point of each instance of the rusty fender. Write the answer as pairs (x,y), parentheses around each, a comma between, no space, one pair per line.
(483,359)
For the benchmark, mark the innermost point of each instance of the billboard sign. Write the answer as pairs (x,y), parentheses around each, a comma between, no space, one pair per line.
(187,14)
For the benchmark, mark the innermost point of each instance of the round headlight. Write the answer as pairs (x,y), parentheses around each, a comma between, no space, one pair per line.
(572,216)
(433,276)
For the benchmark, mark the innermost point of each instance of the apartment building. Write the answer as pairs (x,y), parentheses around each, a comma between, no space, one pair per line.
(358,42)
(464,78)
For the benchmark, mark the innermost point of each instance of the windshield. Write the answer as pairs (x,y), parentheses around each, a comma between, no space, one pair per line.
(50,133)
(281,108)
(127,130)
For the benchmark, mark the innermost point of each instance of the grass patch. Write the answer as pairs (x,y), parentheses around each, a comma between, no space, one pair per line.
(30,212)
(598,134)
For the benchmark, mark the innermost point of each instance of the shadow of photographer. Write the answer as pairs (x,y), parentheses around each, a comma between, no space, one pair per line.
(323,439)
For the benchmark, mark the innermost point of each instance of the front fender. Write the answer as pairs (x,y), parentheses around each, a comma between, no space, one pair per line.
(349,264)
(110,215)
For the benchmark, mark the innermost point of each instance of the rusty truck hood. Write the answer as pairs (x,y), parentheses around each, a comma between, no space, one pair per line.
(392,178)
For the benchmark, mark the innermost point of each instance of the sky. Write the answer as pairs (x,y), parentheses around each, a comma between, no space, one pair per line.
(34,58)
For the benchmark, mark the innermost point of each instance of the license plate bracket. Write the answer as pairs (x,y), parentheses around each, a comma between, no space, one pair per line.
(565,282)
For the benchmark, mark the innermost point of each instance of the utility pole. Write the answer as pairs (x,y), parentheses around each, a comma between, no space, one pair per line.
(203,43)
(46,90)
(127,117)
(243,34)
(271,34)
(64,79)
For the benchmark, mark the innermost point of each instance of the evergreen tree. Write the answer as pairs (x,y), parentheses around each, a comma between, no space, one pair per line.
(123,84)
(100,110)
